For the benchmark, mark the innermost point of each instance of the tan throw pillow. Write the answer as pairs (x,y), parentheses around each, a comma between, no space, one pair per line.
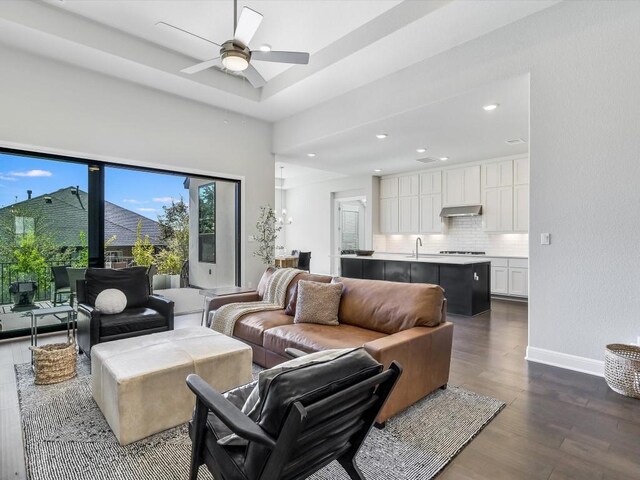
(318,302)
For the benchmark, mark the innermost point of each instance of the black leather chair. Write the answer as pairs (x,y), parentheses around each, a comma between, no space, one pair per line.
(143,314)
(309,416)
(304,261)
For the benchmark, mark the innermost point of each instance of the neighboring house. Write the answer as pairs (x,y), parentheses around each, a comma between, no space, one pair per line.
(63,214)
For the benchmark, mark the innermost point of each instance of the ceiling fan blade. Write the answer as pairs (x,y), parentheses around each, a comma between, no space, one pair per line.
(254,77)
(301,58)
(248,24)
(198,67)
(168,26)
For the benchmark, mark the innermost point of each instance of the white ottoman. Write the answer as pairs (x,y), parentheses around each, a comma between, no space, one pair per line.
(139,383)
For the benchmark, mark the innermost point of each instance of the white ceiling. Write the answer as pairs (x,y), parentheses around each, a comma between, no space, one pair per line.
(303,25)
(352,42)
(458,128)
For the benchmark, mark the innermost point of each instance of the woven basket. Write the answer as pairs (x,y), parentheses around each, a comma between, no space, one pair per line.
(622,369)
(54,363)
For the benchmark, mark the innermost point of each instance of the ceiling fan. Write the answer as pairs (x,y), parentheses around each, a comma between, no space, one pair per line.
(235,54)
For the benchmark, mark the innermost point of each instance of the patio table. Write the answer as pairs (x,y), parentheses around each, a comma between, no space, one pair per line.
(42,312)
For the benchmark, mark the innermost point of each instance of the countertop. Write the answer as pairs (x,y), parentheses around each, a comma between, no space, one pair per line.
(457,255)
(441,259)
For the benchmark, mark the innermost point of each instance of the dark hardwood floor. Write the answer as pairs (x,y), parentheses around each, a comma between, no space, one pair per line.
(557,424)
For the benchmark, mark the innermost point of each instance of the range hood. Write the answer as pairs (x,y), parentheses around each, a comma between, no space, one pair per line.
(468,211)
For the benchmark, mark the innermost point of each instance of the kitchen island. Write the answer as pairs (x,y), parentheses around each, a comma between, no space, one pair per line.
(466,281)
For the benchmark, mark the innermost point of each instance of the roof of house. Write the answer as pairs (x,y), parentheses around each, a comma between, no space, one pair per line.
(67,215)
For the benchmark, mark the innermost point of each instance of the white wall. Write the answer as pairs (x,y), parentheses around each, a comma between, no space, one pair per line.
(584,153)
(54,107)
(311,207)
(222,272)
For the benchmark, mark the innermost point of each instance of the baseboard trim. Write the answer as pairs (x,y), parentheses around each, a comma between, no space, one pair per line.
(565,360)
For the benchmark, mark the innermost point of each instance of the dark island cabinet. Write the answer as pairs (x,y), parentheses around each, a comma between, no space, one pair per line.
(373,270)
(397,271)
(351,267)
(425,273)
(467,287)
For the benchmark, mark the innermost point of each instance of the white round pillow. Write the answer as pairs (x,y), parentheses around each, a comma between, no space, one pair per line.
(111,301)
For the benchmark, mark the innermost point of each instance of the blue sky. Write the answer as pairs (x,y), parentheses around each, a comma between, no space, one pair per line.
(142,192)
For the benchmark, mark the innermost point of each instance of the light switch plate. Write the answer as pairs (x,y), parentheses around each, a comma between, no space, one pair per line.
(545,239)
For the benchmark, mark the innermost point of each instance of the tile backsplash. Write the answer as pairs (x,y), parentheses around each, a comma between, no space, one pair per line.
(464,233)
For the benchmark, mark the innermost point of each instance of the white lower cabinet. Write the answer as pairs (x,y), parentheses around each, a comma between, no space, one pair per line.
(509,276)
(500,280)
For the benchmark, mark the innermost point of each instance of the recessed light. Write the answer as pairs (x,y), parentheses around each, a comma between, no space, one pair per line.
(444,159)
(377,170)
(381,135)
(491,106)
(421,150)
(311,154)
(265,47)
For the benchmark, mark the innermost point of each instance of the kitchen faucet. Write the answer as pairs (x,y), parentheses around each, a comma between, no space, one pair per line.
(418,240)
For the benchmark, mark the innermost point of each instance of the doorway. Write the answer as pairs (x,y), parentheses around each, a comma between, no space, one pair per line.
(349,227)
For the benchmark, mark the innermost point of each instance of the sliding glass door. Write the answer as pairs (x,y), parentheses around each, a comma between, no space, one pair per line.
(60,215)
(43,231)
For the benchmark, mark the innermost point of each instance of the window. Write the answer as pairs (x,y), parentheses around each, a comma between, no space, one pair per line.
(207,223)
(24,226)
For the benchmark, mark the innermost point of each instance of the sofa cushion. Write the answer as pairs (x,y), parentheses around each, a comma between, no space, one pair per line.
(310,337)
(132,281)
(131,320)
(292,294)
(252,326)
(390,307)
(111,301)
(262,284)
(318,302)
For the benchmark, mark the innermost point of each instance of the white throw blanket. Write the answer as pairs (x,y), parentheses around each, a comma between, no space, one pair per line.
(275,294)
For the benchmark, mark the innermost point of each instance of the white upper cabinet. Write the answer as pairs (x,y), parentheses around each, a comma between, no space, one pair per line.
(409,214)
(389,215)
(462,186)
(408,186)
(431,183)
(430,207)
(521,171)
(497,215)
(389,188)
(498,174)
(521,208)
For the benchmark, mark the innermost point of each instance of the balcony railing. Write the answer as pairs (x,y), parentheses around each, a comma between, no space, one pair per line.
(43,279)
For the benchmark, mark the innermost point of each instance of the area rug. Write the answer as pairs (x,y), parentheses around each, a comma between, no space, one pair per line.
(66,436)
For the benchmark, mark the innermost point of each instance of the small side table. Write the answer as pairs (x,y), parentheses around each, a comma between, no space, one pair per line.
(219,292)
(42,312)
(287,261)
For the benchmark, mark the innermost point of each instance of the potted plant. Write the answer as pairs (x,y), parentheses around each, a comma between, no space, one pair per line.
(169,263)
(267,234)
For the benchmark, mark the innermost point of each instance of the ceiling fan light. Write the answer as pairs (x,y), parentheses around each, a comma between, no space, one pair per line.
(235,61)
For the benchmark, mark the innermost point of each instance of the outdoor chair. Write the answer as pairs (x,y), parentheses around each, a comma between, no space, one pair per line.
(143,314)
(61,285)
(307,416)
(152,270)
(304,261)
(74,275)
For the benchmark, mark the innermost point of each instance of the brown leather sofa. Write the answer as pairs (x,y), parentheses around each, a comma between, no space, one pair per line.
(404,322)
